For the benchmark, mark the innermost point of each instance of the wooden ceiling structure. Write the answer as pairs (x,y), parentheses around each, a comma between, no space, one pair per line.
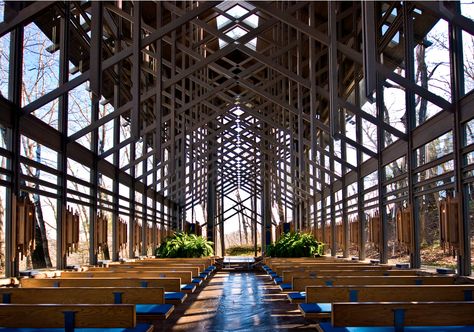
(247,95)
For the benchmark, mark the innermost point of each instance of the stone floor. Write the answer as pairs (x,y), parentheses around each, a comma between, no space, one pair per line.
(236,301)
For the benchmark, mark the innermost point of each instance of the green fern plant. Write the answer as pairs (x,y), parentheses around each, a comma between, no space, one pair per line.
(183,245)
(296,245)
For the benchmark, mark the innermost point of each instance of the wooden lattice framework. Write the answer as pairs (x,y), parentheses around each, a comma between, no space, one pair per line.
(265,110)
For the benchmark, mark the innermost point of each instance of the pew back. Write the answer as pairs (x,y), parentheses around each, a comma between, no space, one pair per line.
(169,284)
(402,314)
(391,293)
(289,275)
(299,284)
(186,277)
(52,315)
(86,295)
(316,267)
(123,268)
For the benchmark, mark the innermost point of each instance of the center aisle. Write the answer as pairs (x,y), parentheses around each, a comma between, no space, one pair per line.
(236,301)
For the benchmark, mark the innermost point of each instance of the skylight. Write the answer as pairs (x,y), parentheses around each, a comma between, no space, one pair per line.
(237,11)
(252,21)
(237,32)
(237,111)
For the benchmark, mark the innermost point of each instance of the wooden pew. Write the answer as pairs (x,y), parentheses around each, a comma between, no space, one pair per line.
(298,294)
(186,277)
(123,267)
(316,267)
(169,284)
(203,273)
(272,260)
(287,276)
(172,286)
(150,302)
(294,262)
(208,262)
(401,316)
(194,270)
(290,275)
(59,317)
(300,284)
(319,298)
(201,267)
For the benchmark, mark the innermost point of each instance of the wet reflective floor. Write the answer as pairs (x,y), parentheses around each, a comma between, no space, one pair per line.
(236,301)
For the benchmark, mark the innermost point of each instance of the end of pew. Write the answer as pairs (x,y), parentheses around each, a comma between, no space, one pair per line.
(147,312)
(175,297)
(188,288)
(285,287)
(297,297)
(315,310)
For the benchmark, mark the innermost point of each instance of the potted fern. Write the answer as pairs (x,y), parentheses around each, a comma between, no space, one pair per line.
(183,245)
(296,245)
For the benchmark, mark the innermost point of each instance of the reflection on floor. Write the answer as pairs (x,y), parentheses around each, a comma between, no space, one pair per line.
(236,301)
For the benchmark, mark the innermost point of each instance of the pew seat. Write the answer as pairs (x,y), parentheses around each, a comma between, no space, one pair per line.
(284,287)
(400,316)
(70,317)
(315,310)
(297,297)
(150,302)
(175,297)
(188,288)
(197,281)
(320,296)
(327,327)
(154,311)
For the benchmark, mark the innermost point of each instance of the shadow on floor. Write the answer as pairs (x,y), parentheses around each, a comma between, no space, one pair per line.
(236,301)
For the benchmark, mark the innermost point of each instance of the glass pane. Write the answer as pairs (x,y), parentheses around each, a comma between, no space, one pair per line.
(431,251)
(468,54)
(397,252)
(394,112)
(81,255)
(4,63)
(2,11)
(467,9)
(424,110)
(435,149)
(469,132)
(79,112)
(432,60)
(40,63)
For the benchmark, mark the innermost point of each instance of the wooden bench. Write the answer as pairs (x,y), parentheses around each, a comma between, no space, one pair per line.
(294,262)
(286,281)
(271,260)
(122,267)
(150,302)
(278,270)
(298,294)
(287,276)
(194,270)
(208,262)
(300,284)
(400,316)
(203,270)
(186,277)
(60,317)
(319,298)
(172,286)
